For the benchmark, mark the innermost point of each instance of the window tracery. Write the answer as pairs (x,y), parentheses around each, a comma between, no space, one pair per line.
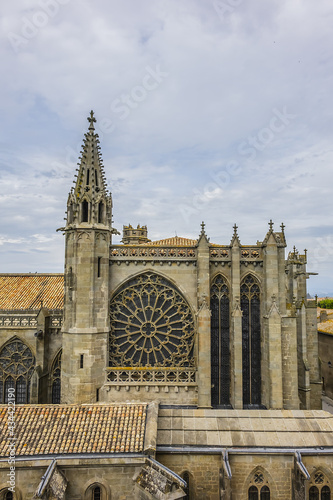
(16,367)
(258,488)
(220,339)
(251,341)
(56,379)
(319,487)
(151,324)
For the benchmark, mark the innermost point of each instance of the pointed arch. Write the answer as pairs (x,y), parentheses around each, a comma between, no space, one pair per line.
(220,341)
(55,378)
(259,485)
(151,324)
(251,340)
(188,478)
(319,486)
(17,364)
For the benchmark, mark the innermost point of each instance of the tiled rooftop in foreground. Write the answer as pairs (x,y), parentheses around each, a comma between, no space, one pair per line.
(63,429)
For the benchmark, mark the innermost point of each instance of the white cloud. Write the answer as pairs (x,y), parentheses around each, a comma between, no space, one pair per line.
(225,77)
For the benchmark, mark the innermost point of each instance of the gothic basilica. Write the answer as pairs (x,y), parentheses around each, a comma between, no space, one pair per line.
(167,369)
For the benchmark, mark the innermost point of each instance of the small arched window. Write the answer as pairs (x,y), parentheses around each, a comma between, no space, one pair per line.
(313,493)
(101,212)
(9,495)
(325,493)
(96,493)
(84,211)
(253,493)
(186,478)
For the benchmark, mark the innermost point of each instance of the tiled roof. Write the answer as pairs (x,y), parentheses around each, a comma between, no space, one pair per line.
(175,241)
(243,428)
(326,326)
(62,429)
(30,291)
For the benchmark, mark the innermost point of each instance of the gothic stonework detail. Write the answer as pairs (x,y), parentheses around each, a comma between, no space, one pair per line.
(151,324)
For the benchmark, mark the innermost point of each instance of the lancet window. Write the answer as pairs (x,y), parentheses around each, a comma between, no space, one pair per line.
(16,367)
(56,379)
(151,324)
(251,341)
(220,342)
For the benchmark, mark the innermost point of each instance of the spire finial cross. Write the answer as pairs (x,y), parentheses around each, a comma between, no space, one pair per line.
(91,119)
(282,227)
(202,227)
(235,228)
(271,223)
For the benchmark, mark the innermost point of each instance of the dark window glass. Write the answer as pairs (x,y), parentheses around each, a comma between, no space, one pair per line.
(9,495)
(9,384)
(97,493)
(81,360)
(313,493)
(186,478)
(21,391)
(56,392)
(16,364)
(100,211)
(151,324)
(220,340)
(56,379)
(85,211)
(253,493)
(325,493)
(265,493)
(251,342)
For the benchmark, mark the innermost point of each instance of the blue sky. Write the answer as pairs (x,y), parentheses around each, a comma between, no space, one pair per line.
(217,111)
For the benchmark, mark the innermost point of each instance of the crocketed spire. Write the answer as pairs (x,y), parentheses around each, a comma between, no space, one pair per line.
(89,202)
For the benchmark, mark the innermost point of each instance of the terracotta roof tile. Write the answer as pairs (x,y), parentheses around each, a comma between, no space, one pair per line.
(326,326)
(63,429)
(29,291)
(175,241)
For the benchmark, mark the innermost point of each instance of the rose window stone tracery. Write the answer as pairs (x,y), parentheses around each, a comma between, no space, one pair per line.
(151,325)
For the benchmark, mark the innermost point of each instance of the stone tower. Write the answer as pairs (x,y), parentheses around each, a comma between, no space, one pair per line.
(88,238)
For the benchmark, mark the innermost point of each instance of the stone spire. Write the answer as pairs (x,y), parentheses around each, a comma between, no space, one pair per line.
(235,241)
(89,201)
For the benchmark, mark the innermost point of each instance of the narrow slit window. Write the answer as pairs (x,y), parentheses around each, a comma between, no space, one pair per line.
(81,360)
(85,211)
(96,178)
(100,211)
(88,172)
(99,261)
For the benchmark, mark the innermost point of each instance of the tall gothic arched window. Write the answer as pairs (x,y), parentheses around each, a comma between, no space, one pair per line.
(56,379)
(251,341)
(16,367)
(151,324)
(220,340)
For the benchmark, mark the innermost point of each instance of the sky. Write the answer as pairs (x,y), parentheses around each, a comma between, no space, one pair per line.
(216,111)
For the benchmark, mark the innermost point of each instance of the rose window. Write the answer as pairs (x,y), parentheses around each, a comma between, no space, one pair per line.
(151,325)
